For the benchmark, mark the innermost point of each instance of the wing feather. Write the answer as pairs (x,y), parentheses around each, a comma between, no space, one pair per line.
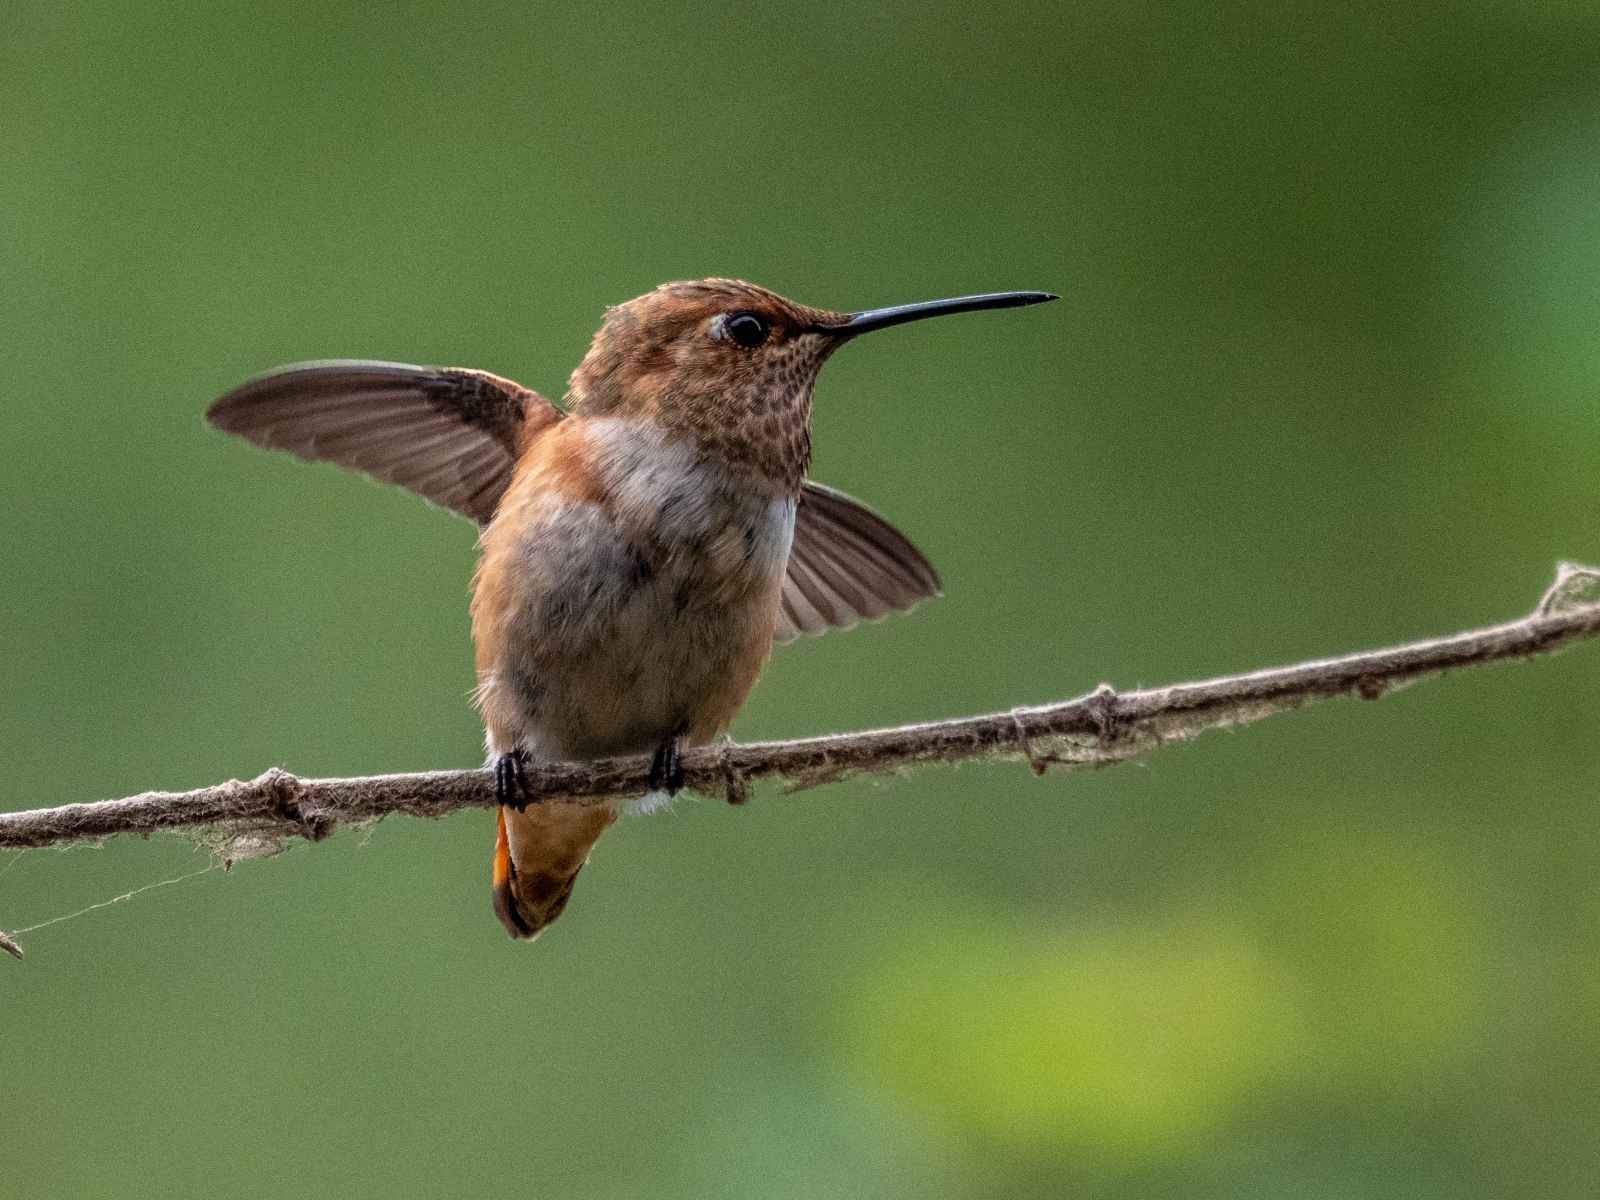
(449,434)
(847,564)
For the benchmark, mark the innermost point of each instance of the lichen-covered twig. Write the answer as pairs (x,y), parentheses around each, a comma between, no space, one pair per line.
(1100,728)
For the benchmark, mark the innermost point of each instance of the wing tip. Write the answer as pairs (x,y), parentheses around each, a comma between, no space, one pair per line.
(792,631)
(267,382)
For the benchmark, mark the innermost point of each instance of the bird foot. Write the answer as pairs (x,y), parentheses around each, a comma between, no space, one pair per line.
(666,768)
(511,779)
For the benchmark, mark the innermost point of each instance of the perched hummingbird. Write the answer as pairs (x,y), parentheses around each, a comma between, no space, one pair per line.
(642,548)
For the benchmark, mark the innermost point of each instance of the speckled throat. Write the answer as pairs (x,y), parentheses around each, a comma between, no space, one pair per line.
(758,424)
(665,357)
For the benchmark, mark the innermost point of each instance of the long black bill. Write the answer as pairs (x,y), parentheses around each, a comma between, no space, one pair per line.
(899,314)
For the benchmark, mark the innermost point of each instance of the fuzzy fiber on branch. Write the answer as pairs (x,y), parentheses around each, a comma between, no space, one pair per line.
(1098,729)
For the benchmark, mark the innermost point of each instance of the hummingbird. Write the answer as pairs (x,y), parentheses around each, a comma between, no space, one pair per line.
(642,546)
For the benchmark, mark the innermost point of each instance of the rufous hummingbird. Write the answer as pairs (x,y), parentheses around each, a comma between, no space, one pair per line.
(642,547)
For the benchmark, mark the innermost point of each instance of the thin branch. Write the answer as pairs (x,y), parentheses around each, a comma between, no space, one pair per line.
(1097,729)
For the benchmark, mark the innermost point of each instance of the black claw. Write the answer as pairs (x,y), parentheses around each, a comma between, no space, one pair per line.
(511,779)
(666,768)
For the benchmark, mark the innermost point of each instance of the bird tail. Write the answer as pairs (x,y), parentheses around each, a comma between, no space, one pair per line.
(537,856)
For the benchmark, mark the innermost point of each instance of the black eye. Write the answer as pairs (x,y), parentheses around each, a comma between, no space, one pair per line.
(746,328)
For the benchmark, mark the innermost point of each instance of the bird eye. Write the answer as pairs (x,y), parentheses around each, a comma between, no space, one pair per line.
(746,328)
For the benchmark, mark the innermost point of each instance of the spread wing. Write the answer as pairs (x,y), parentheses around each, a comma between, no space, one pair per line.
(847,564)
(449,434)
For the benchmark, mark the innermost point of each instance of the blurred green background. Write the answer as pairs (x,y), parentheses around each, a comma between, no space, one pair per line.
(1323,377)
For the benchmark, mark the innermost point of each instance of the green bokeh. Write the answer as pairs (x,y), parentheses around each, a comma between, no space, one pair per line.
(1324,376)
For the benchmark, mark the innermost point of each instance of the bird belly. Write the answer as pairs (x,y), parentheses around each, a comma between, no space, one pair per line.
(614,638)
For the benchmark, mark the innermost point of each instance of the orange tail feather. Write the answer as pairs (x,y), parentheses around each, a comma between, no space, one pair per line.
(538,853)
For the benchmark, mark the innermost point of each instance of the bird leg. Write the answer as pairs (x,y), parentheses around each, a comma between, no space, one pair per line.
(666,768)
(511,779)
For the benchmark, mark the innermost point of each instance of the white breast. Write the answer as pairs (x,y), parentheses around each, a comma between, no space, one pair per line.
(663,484)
